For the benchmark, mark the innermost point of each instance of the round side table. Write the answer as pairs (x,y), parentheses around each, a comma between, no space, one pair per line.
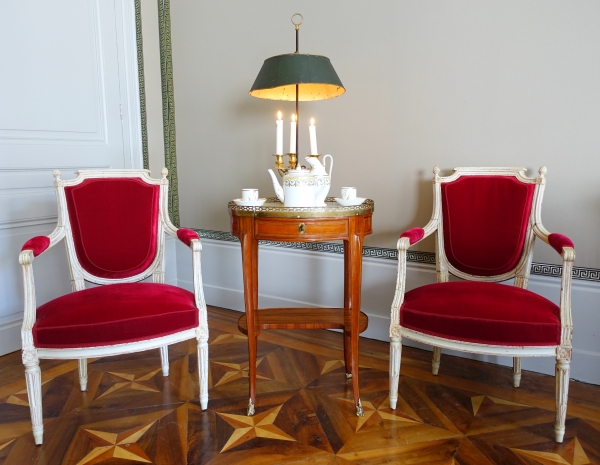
(272,221)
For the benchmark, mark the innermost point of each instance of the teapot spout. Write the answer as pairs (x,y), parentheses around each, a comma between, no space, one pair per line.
(276,186)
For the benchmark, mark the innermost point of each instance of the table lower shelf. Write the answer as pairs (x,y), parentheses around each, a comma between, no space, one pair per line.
(302,318)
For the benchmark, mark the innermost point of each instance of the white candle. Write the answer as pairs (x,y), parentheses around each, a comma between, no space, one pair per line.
(313,137)
(279,145)
(293,134)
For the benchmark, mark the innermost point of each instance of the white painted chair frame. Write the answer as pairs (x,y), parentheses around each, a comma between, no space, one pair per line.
(561,352)
(31,354)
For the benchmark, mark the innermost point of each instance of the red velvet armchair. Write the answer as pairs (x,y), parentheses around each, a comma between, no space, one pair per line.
(486,221)
(114,224)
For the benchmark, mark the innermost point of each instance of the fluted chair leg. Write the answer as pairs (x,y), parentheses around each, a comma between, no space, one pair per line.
(83,376)
(516,371)
(33,380)
(164,360)
(395,356)
(563,368)
(435,363)
(203,371)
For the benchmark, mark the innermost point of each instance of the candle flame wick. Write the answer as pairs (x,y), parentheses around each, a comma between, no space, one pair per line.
(312,121)
(278,115)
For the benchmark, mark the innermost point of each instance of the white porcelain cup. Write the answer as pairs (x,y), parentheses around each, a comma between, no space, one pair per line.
(348,193)
(249,195)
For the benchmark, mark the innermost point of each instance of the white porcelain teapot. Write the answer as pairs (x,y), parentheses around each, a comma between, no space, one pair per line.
(323,177)
(302,187)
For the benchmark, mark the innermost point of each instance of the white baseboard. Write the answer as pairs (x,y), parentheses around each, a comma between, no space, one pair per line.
(291,277)
(10,334)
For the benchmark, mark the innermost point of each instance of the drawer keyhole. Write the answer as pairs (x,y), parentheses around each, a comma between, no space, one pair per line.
(301,228)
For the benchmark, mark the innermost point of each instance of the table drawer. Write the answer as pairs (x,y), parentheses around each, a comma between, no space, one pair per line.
(300,229)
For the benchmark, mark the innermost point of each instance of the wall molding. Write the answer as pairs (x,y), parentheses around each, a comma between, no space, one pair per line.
(537,269)
(141,82)
(168,99)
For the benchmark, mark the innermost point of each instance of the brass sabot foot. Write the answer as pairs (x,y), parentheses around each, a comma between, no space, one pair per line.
(359,409)
(250,408)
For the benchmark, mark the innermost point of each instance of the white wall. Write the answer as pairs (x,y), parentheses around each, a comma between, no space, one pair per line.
(435,82)
(318,282)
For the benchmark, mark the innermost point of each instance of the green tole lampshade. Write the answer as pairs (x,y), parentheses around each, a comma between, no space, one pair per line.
(314,75)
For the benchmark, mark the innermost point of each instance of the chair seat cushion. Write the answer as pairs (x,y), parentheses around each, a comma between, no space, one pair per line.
(114,314)
(484,313)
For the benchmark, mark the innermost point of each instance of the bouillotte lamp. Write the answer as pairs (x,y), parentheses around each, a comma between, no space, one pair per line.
(296,76)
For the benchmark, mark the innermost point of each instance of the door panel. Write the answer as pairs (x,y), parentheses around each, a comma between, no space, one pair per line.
(63,95)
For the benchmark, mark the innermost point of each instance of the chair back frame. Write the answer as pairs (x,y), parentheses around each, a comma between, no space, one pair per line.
(78,274)
(521,271)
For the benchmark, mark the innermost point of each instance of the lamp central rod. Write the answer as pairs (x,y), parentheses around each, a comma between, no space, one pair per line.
(297,26)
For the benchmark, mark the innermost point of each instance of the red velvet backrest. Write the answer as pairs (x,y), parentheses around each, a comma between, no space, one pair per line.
(485,220)
(114,223)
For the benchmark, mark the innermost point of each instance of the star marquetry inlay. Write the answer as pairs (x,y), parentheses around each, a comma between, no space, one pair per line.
(228,339)
(478,400)
(258,426)
(571,454)
(131,381)
(10,441)
(374,415)
(235,371)
(331,365)
(116,445)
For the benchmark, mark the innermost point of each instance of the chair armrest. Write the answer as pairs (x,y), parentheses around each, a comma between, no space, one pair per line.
(37,245)
(187,236)
(412,236)
(559,242)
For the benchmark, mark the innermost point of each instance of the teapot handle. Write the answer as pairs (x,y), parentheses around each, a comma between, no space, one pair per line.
(330,164)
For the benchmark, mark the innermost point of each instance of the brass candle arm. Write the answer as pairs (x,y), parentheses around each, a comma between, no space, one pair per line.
(279,163)
(293,162)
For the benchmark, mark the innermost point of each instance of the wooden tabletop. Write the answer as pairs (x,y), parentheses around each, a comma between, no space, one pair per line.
(274,208)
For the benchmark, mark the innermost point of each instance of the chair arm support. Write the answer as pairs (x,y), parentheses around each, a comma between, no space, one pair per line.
(192,240)
(407,239)
(565,247)
(31,249)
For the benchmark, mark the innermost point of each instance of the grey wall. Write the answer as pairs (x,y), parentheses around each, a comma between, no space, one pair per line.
(452,83)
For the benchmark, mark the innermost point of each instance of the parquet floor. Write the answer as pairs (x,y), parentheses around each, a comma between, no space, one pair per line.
(469,414)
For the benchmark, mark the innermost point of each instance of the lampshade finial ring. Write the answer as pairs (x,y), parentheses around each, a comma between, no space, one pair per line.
(297,25)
